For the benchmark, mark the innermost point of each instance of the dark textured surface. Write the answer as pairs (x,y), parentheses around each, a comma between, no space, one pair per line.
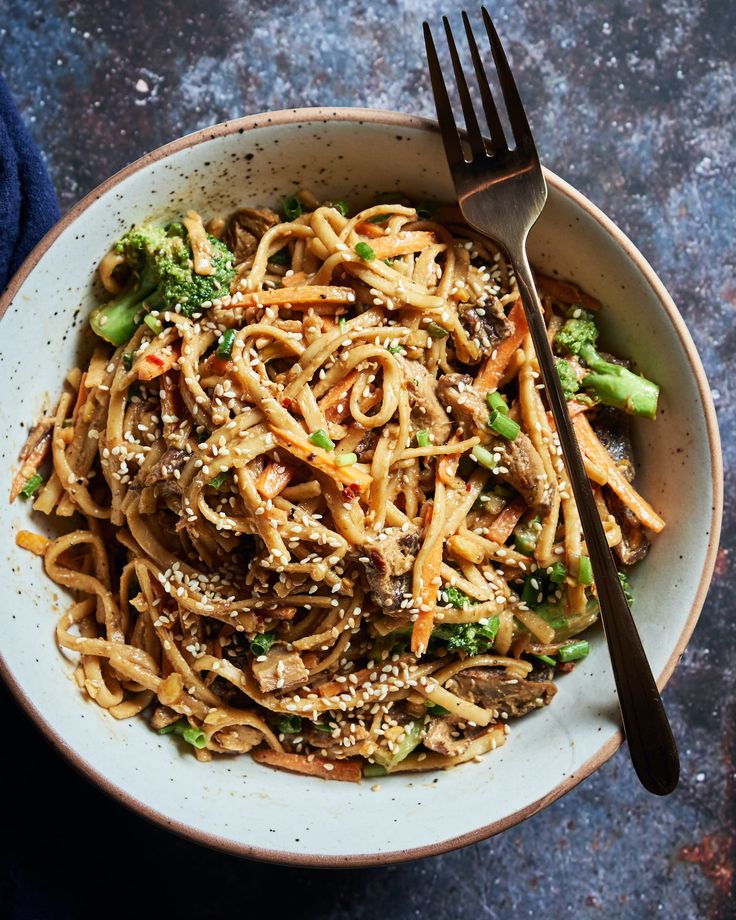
(633,103)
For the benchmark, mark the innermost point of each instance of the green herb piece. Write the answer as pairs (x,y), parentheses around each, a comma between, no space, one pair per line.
(435,331)
(626,585)
(320,438)
(503,425)
(412,738)
(365,251)
(496,403)
(195,736)
(291,207)
(153,323)
(393,349)
(574,651)
(341,323)
(346,459)
(434,710)
(323,727)
(484,457)
(225,348)
(585,571)
(261,644)
(342,206)
(128,360)
(32,486)
(546,659)
(526,536)
(558,573)
(423,438)
(282,257)
(219,481)
(388,261)
(290,725)
(374,769)
(534,586)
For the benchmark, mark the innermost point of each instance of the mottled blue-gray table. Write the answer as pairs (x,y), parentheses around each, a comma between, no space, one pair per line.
(630,101)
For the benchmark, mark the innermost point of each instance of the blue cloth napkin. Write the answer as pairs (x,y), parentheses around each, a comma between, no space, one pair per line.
(28,206)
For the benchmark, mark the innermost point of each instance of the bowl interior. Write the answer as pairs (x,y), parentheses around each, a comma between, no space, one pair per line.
(235,803)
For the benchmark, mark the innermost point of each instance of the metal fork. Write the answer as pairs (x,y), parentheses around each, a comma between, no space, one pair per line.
(501,192)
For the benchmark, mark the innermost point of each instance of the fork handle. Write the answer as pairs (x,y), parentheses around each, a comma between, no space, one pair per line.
(651,744)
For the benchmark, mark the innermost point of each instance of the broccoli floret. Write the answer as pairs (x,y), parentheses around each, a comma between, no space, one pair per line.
(568,378)
(160,260)
(454,597)
(612,384)
(471,638)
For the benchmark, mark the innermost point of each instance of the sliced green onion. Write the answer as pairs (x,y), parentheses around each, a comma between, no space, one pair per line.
(496,402)
(290,725)
(320,438)
(434,710)
(292,207)
(341,206)
(346,459)
(503,425)
(128,360)
(388,261)
(225,348)
(32,486)
(365,251)
(377,218)
(153,323)
(341,323)
(282,257)
(134,390)
(374,769)
(533,587)
(526,536)
(323,727)
(393,349)
(219,481)
(558,573)
(573,651)
(484,457)
(170,729)
(195,736)
(423,438)
(585,571)
(435,331)
(546,659)
(261,644)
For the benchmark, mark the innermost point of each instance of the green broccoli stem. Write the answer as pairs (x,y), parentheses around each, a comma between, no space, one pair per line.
(615,385)
(117,320)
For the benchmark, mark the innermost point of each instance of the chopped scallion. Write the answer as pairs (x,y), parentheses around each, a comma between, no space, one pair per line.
(546,659)
(573,651)
(195,736)
(365,251)
(32,486)
(282,257)
(128,360)
(290,725)
(292,207)
(423,438)
(558,573)
(496,402)
(341,206)
(435,331)
(320,438)
(153,323)
(503,425)
(346,459)
(585,571)
(261,644)
(484,457)
(225,348)
(219,481)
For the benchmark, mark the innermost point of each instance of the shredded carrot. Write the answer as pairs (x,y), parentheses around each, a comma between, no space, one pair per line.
(401,244)
(349,771)
(312,294)
(322,459)
(34,542)
(566,292)
(422,628)
(493,368)
(502,528)
(336,399)
(365,228)
(289,281)
(596,452)
(274,478)
(153,365)
(335,688)
(215,365)
(31,462)
(448,463)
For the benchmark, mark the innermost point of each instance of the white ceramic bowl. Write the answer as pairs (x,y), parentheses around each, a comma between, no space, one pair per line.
(234,803)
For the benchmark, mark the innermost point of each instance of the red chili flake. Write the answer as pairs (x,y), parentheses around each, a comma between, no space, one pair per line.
(351,492)
(467,487)
(286,403)
(154,359)
(566,666)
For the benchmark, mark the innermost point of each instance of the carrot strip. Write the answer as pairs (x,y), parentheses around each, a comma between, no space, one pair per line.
(322,460)
(308,294)
(502,528)
(337,396)
(335,688)
(289,281)
(448,463)
(33,542)
(215,365)
(596,452)
(153,365)
(347,771)
(493,368)
(387,247)
(566,292)
(274,479)
(365,228)
(424,622)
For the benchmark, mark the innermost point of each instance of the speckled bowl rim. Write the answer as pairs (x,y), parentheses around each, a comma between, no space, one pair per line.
(399,120)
